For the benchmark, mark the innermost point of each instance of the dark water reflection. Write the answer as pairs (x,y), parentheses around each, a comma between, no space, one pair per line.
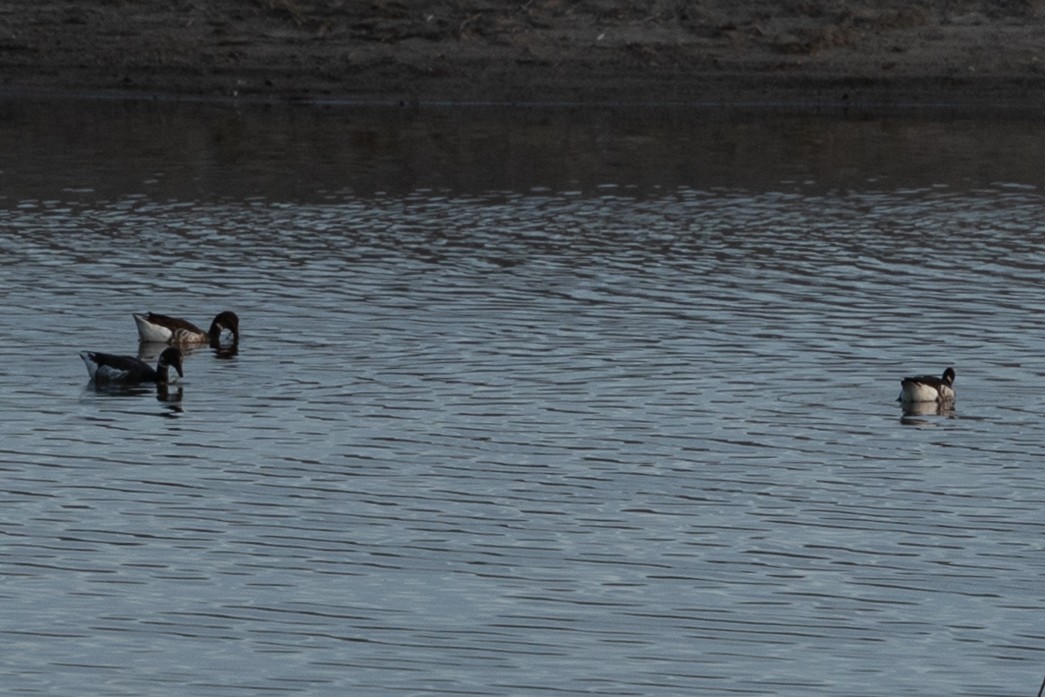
(207,152)
(536,402)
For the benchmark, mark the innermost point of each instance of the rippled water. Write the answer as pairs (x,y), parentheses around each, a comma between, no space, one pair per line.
(541,403)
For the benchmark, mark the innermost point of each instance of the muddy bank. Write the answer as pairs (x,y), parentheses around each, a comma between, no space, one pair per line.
(816,52)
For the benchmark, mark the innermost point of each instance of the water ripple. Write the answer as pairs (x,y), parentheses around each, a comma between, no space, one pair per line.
(548,441)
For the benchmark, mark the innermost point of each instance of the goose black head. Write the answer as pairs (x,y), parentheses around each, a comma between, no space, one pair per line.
(226,320)
(170,358)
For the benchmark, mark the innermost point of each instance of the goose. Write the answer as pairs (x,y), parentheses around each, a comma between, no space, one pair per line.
(106,367)
(173,330)
(928,388)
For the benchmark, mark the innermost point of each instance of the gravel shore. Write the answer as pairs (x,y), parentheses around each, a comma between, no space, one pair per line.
(731,52)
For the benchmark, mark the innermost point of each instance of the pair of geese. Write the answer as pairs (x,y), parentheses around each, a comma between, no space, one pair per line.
(158,329)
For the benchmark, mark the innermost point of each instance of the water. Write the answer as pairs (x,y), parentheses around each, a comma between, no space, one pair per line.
(531,403)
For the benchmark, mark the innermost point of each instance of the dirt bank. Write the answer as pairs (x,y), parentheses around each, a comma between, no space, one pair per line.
(589,51)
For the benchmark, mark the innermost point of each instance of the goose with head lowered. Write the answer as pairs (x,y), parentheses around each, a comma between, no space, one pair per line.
(106,368)
(162,329)
(928,388)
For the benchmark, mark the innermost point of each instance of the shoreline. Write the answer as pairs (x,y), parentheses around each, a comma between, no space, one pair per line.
(748,54)
(806,100)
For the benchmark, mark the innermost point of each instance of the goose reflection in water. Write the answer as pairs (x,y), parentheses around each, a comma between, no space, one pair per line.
(225,352)
(170,396)
(149,352)
(914,413)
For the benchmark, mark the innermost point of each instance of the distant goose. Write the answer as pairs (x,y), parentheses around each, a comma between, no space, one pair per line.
(928,388)
(173,330)
(106,368)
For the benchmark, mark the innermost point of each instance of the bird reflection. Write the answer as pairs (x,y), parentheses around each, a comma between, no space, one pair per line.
(225,351)
(915,413)
(150,352)
(171,398)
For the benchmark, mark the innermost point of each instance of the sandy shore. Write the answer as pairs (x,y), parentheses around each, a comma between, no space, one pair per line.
(757,52)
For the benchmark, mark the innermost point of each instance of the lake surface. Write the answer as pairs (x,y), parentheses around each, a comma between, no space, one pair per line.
(532,402)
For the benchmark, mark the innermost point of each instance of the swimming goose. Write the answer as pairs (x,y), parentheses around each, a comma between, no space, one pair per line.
(928,388)
(173,330)
(106,367)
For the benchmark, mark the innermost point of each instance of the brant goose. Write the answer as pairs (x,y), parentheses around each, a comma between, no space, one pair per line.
(172,330)
(928,388)
(105,367)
